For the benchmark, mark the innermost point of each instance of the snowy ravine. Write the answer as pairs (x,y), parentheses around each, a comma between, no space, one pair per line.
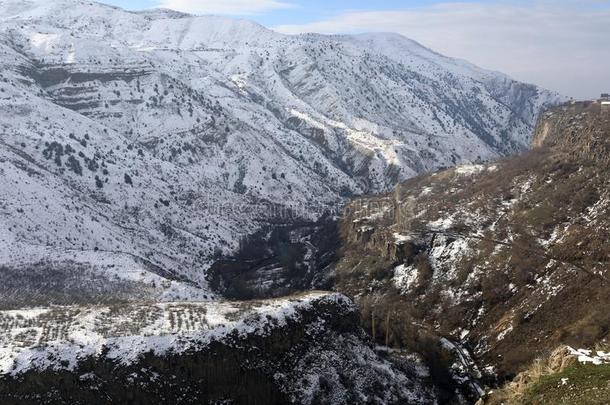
(135,147)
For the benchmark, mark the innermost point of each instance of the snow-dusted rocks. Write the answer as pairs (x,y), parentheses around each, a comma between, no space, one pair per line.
(303,349)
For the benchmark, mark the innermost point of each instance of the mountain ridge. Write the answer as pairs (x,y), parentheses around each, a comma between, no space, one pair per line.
(166,140)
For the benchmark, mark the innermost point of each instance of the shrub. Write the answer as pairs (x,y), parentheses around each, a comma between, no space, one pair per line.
(74,165)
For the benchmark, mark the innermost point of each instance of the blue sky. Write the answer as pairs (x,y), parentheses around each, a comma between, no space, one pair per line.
(562,45)
(296,11)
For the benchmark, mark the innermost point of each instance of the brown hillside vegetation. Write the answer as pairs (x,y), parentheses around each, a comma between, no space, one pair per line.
(510,259)
(559,378)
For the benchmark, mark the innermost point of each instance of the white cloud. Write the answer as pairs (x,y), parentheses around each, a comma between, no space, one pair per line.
(563,46)
(230,7)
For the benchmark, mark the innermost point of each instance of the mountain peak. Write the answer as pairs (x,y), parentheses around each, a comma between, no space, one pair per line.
(163,13)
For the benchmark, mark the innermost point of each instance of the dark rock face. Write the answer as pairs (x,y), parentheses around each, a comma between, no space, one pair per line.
(192,379)
(580,130)
(280,261)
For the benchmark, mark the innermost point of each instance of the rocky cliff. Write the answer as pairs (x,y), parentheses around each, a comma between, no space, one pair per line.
(303,349)
(508,259)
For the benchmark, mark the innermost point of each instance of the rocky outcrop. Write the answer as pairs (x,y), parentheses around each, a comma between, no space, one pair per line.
(303,349)
(579,129)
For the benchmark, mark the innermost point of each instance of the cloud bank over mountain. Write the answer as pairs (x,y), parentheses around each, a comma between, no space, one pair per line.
(559,45)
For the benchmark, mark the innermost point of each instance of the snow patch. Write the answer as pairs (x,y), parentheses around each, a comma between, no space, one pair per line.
(404,277)
(589,356)
(469,170)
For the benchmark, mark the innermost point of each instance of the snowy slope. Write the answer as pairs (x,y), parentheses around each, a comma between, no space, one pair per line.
(157,140)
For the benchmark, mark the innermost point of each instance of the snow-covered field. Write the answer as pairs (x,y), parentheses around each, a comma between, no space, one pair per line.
(61,337)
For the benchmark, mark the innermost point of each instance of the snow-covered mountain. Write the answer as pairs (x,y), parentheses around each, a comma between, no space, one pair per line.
(136,146)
